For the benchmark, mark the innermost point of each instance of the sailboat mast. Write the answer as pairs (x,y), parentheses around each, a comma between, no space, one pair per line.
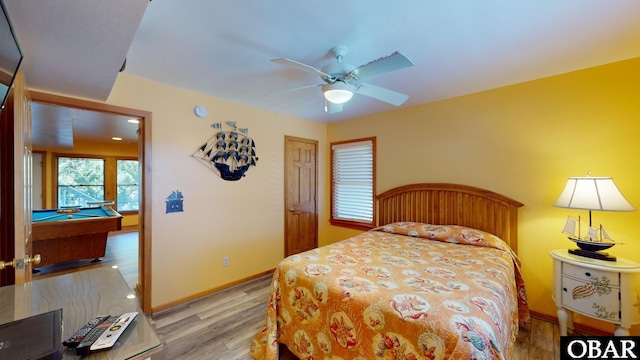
(600,233)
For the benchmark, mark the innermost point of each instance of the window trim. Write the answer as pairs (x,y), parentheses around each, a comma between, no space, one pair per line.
(353,224)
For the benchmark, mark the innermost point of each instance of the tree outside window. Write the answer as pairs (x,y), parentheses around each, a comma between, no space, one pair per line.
(128,179)
(80,180)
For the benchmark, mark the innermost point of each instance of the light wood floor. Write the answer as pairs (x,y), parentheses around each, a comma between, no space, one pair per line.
(221,326)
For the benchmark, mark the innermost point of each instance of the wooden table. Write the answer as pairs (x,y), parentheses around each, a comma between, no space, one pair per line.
(81,295)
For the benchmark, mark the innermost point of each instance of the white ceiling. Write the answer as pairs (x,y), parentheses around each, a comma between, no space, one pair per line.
(224,48)
(75,47)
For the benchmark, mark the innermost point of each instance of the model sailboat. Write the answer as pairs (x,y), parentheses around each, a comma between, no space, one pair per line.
(593,193)
(592,244)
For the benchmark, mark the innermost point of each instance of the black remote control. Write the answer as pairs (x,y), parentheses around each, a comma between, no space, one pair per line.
(83,347)
(77,338)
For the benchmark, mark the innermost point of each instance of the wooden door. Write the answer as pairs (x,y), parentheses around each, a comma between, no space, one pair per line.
(301,213)
(16,192)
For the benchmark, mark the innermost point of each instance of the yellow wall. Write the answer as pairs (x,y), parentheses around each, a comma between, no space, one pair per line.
(523,141)
(243,219)
(84,148)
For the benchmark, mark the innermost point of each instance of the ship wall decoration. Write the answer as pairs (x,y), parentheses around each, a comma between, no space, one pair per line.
(230,154)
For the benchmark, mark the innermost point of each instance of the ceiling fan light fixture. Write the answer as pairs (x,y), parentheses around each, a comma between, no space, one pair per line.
(338,92)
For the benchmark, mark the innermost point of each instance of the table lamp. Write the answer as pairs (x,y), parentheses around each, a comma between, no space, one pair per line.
(593,193)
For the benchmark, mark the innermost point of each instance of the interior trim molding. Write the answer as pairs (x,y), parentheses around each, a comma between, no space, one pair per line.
(188,299)
(580,329)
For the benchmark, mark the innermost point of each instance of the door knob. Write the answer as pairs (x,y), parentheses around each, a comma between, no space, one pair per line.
(4,264)
(19,263)
(35,259)
(291,209)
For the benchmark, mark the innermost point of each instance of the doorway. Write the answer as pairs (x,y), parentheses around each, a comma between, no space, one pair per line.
(301,187)
(143,286)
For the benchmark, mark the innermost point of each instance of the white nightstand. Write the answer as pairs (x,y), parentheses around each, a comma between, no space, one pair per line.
(605,290)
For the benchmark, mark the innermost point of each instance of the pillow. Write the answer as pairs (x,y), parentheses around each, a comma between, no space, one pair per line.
(447,233)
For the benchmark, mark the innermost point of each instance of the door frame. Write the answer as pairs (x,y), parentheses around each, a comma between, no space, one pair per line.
(143,286)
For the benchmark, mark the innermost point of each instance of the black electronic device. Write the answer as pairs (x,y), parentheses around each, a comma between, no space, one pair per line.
(105,334)
(79,335)
(38,337)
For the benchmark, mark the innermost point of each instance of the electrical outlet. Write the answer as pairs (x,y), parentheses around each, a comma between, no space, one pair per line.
(225,261)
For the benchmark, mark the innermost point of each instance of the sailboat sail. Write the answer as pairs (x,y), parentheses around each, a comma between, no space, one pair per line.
(570,227)
(592,234)
(605,235)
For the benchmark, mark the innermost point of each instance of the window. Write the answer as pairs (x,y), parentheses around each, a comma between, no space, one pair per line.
(353,183)
(81,179)
(127,180)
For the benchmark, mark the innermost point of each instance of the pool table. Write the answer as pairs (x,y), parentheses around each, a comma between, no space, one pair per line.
(72,234)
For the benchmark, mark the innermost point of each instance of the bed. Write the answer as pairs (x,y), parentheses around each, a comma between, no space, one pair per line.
(439,278)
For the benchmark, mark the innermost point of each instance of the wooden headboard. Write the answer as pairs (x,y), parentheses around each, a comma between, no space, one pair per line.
(452,204)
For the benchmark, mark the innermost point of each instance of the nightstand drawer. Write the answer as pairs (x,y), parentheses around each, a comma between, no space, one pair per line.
(593,299)
(588,275)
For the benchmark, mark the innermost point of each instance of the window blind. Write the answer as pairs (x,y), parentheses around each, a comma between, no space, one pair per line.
(353,181)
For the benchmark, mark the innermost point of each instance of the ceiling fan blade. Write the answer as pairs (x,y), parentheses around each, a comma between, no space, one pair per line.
(332,108)
(300,66)
(382,94)
(385,64)
(294,89)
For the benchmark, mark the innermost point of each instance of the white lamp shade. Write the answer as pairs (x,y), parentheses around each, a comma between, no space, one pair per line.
(593,193)
(338,92)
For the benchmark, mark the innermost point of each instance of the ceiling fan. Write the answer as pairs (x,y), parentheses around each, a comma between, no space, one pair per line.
(341,80)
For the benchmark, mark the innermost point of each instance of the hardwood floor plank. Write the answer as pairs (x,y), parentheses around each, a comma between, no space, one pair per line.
(238,354)
(173,315)
(241,339)
(228,308)
(199,345)
(184,328)
(521,347)
(556,341)
(238,322)
(541,345)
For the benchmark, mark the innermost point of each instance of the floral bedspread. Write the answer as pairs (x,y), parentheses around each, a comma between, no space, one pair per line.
(400,291)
